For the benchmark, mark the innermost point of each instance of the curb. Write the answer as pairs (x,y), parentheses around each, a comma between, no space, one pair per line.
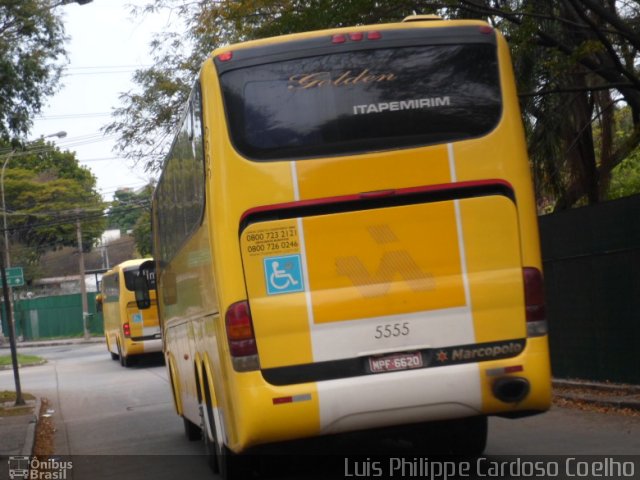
(623,404)
(53,343)
(30,436)
(601,386)
(10,367)
(620,396)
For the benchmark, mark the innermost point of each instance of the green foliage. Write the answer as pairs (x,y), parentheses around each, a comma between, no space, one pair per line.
(46,192)
(31,42)
(625,178)
(130,210)
(142,234)
(23,360)
(127,207)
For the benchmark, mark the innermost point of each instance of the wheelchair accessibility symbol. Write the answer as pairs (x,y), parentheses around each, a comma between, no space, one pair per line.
(283,274)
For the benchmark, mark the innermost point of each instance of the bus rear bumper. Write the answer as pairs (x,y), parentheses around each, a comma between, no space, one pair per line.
(391,399)
(143,346)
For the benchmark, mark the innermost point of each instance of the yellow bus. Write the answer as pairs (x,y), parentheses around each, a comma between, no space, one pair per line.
(128,330)
(345,239)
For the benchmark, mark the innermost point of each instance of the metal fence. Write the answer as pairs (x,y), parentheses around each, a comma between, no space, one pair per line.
(52,317)
(592,276)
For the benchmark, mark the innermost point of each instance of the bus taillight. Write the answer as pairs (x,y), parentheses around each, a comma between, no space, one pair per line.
(536,312)
(126,329)
(355,37)
(339,38)
(225,57)
(242,341)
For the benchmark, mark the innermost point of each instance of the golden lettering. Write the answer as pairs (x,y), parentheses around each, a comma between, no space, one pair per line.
(305,81)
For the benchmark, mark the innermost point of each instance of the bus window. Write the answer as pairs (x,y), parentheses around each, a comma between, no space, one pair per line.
(363,100)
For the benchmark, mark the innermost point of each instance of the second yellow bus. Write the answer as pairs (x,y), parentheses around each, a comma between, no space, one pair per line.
(129,331)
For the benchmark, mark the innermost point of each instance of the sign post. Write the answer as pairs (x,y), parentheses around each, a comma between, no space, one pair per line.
(12,332)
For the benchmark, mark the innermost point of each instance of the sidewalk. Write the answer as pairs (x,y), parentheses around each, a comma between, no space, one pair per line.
(18,431)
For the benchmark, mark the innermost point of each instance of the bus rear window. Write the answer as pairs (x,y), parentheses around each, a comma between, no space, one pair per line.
(366,100)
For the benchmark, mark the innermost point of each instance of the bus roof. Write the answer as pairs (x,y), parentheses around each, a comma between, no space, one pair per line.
(400,25)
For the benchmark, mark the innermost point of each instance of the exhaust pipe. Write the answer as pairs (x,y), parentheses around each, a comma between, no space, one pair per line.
(511,389)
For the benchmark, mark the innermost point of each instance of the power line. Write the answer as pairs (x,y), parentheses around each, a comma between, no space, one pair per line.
(70,219)
(64,116)
(96,73)
(107,67)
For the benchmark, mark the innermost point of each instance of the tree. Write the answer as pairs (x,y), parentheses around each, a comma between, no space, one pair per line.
(46,192)
(574,59)
(131,210)
(31,44)
(127,207)
(142,233)
(625,177)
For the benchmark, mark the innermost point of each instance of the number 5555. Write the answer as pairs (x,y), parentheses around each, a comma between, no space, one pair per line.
(392,330)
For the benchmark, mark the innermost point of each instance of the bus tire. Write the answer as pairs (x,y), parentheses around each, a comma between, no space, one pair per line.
(191,430)
(208,425)
(233,466)
(124,361)
(114,356)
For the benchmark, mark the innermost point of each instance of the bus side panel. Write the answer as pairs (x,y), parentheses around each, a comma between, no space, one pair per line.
(111,316)
(179,346)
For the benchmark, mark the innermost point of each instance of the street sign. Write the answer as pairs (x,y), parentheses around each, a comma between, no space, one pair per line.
(15,277)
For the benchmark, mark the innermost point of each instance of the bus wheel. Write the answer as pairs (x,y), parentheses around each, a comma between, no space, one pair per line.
(229,465)
(114,356)
(233,466)
(209,429)
(124,361)
(191,430)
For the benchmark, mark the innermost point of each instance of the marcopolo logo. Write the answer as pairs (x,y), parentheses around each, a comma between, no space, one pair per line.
(39,469)
(486,352)
(479,352)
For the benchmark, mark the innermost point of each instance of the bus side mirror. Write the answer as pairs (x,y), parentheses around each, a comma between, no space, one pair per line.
(99,301)
(143,300)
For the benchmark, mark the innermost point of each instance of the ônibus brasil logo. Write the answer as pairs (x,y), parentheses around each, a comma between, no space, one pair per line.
(38,469)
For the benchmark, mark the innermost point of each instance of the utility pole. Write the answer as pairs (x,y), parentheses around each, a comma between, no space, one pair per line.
(83,286)
(12,332)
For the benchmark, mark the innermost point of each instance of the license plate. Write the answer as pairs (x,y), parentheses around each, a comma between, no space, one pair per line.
(395,362)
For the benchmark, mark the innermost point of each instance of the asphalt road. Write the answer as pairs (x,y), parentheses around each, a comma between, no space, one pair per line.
(120,423)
